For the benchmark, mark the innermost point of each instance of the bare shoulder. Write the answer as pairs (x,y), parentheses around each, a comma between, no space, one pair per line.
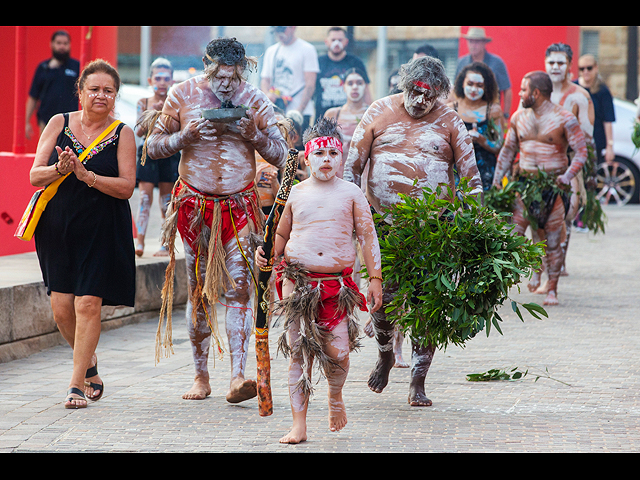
(57,122)
(585,93)
(350,187)
(127,133)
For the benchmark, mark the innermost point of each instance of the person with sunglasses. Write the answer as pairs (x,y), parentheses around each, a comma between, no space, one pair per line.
(591,80)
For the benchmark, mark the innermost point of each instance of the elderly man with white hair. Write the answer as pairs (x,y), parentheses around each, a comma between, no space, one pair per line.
(410,141)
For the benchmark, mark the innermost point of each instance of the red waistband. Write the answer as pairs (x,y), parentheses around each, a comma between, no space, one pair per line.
(329,314)
(211,195)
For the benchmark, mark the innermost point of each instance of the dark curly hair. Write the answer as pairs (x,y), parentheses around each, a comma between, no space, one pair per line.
(561,48)
(491,90)
(324,127)
(229,52)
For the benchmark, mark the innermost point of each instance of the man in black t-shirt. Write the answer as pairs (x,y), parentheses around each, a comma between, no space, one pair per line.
(333,66)
(53,89)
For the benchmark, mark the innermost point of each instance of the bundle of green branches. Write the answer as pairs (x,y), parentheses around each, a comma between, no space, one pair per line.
(593,217)
(452,264)
(502,200)
(532,186)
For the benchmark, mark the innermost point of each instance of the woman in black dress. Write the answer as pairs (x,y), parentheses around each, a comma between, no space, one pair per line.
(84,239)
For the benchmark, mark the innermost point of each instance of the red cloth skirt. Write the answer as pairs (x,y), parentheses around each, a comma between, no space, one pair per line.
(230,206)
(329,315)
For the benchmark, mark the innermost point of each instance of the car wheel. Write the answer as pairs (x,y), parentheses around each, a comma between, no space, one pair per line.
(618,183)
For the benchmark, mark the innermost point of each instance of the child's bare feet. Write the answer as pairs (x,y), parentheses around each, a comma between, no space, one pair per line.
(298,434)
(337,413)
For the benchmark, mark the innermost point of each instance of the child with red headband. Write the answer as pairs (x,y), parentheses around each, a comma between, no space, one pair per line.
(314,281)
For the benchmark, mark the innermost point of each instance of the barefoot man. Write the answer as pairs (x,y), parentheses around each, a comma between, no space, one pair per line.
(215,204)
(410,141)
(542,132)
(577,100)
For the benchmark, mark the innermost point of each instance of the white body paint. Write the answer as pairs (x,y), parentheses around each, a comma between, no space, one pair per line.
(222,164)
(400,149)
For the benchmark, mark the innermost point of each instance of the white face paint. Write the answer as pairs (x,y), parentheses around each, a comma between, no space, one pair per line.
(354,87)
(419,102)
(474,86)
(324,163)
(225,83)
(557,66)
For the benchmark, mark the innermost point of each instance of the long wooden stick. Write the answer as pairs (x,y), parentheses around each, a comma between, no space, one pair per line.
(265,400)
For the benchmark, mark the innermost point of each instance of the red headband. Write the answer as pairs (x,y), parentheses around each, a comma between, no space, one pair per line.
(420,84)
(322,142)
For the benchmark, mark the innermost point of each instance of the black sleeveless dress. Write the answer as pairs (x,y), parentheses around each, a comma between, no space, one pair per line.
(84,239)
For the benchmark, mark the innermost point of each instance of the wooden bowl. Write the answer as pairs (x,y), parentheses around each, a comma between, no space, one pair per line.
(224,115)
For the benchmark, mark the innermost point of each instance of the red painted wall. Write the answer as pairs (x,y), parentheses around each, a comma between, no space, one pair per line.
(16,153)
(523,49)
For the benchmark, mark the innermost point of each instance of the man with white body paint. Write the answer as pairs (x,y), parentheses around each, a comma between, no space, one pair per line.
(410,141)
(541,132)
(318,295)
(570,96)
(215,203)
(577,100)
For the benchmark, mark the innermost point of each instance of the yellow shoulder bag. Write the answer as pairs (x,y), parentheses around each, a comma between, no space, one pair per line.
(29,222)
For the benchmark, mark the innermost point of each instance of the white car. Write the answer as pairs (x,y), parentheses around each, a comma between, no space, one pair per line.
(619,183)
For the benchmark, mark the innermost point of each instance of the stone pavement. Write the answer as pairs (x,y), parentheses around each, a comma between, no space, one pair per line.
(587,399)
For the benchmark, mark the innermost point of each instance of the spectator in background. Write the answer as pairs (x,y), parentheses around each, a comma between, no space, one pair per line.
(394,78)
(53,89)
(423,51)
(476,101)
(426,51)
(477,41)
(161,173)
(605,114)
(333,66)
(289,73)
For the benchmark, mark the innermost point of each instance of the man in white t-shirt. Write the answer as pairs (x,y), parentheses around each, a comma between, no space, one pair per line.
(289,72)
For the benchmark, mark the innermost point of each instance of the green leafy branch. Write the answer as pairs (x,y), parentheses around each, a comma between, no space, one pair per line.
(514,374)
(534,189)
(452,263)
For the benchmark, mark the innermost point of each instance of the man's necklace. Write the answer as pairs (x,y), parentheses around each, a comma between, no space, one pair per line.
(85,133)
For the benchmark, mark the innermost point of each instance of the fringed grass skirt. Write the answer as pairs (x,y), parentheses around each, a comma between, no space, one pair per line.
(206,223)
(317,305)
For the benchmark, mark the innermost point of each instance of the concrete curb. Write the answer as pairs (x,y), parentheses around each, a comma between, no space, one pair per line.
(26,321)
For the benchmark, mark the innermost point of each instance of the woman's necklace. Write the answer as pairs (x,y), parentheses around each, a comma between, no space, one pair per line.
(93,134)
